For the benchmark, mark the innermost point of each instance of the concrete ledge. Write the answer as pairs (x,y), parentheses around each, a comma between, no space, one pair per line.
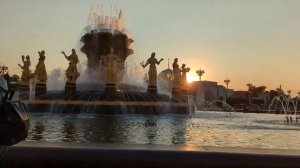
(90,103)
(106,107)
(29,154)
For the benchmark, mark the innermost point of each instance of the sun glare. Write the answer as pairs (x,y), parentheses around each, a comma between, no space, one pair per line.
(192,77)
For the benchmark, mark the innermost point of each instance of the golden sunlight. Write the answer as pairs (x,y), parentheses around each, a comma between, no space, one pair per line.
(192,77)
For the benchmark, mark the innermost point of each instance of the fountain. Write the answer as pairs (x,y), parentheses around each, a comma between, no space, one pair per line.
(106,44)
(285,105)
(101,90)
(102,34)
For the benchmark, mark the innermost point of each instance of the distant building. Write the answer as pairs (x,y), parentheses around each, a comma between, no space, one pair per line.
(210,91)
(247,100)
(262,100)
(240,100)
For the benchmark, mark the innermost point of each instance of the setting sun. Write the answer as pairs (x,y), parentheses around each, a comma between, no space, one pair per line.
(115,83)
(192,77)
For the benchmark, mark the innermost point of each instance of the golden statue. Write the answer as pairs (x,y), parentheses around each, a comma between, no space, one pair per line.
(152,73)
(111,62)
(26,73)
(72,72)
(184,70)
(40,71)
(176,73)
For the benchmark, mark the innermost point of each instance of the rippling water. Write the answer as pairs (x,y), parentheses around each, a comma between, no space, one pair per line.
(200,129)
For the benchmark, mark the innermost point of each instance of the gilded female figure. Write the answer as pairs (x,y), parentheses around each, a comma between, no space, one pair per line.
(152,73)
(72,72)
(176,73)
(40,70)
(25,78)
(184,70)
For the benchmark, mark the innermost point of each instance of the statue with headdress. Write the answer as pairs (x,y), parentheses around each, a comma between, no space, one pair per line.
(72,72)
(26,73)
(40,71)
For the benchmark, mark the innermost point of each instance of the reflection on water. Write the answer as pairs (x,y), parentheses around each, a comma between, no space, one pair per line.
(108,129)
(179,129)
(201,129)
(150,127)
(69,131)
(37,131)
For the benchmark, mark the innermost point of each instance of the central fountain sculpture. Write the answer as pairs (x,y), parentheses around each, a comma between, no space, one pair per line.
(106,46)
(102,34)
(111,63)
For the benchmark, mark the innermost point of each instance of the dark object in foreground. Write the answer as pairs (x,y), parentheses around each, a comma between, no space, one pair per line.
(14,122)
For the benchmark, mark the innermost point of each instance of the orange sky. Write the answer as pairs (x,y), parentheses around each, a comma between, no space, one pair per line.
(253,41)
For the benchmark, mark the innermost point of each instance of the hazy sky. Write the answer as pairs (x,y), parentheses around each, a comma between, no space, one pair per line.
(255,41)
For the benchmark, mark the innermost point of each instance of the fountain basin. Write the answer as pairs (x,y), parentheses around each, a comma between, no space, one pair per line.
(106,107)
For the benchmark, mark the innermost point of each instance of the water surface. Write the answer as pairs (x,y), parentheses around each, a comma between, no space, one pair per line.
(200,129)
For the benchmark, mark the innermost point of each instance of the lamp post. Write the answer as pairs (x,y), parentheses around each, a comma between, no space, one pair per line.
(226,81)
(200,73)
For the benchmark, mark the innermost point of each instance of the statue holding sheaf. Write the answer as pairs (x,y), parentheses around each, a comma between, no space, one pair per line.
(184,70)
(72,72)
(26,73)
